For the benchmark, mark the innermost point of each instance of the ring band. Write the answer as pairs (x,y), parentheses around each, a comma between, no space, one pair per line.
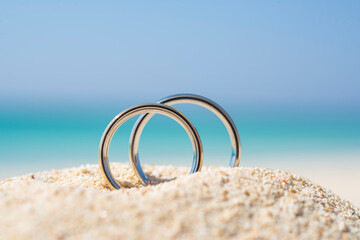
(135,162)
(184,98)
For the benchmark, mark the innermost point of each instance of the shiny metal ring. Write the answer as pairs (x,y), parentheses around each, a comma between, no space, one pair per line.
(184,98)
(141,109)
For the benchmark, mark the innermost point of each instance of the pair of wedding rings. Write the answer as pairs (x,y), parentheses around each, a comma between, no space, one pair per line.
(163,107)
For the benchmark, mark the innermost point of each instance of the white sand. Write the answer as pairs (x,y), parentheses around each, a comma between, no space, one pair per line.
(218,203)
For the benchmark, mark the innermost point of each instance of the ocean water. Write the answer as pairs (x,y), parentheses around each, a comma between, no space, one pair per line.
(37,138)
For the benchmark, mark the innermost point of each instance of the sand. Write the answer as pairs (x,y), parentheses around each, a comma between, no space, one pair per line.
(217,203)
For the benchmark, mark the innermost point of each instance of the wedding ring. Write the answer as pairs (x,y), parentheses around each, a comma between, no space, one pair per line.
(135,161)
(184,98)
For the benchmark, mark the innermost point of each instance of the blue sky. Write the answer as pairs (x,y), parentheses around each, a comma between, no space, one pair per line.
(249,52)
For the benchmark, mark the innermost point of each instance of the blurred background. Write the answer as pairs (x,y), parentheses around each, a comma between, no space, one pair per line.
(287,72)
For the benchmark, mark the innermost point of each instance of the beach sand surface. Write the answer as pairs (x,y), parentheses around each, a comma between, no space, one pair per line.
(217,203)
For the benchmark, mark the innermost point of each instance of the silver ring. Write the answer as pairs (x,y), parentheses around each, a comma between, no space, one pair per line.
(142,109)
(184,98)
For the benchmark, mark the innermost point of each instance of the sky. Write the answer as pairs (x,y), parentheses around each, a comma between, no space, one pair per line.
(302,53)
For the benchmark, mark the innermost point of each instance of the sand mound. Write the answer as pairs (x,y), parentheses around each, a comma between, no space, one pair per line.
(218,203)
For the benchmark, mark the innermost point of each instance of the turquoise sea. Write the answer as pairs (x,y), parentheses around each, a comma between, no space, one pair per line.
(35,138)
